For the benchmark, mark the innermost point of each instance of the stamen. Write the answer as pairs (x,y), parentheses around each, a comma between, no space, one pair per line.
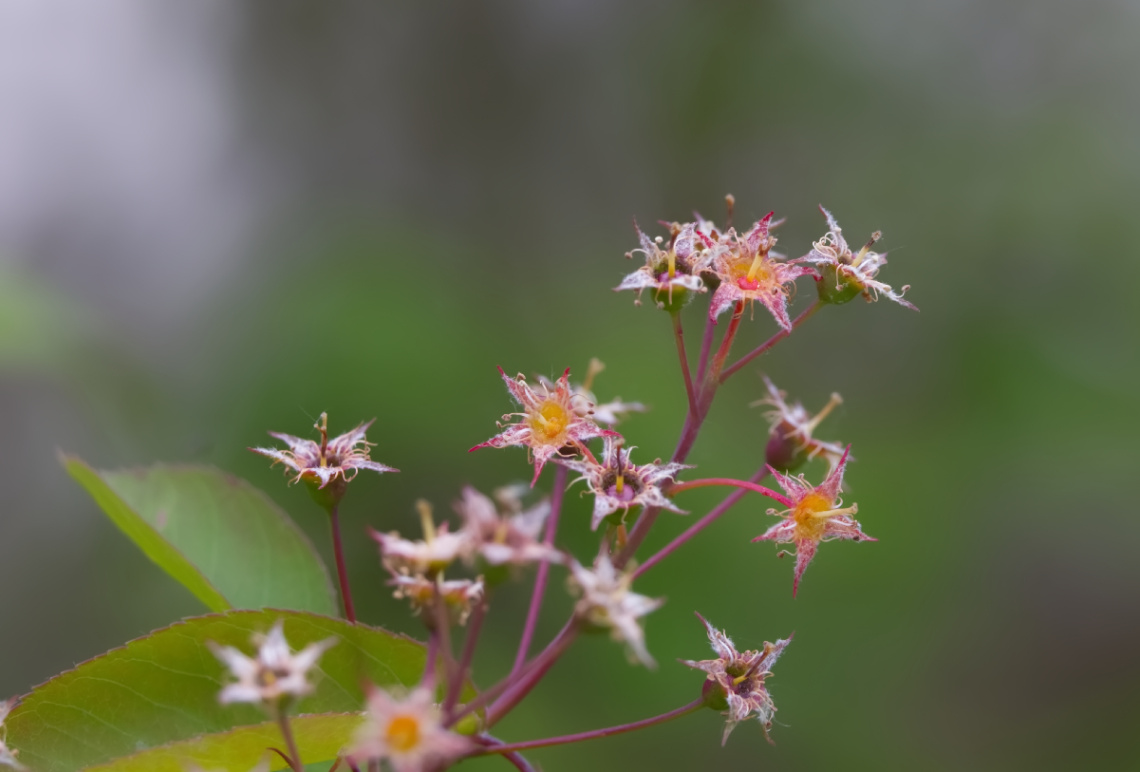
(619,483)
(595,368)
(730,204)
(423,506)
(833,403)
(322,425)
(672,258)
(829,513)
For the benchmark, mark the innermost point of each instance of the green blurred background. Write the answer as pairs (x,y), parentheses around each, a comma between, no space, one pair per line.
(218,219)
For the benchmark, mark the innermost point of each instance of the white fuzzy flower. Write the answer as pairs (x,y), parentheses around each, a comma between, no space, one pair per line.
(606,601)
(275,672)
(407,732)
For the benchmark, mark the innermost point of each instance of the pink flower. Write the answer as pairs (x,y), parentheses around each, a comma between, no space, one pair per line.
(458,595)
(851,273)
(407,732)
(749,270)
(550,422)
(511,536)
(436,551)
(739,678)
(586,404)
(618,484)
(671,273)
(817,515)
(790,442)
(275,672)
(607,602)
(327,460)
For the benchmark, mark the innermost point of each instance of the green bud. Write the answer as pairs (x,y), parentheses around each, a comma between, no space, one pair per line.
(830,279)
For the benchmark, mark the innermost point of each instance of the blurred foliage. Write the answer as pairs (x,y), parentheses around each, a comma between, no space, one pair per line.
(465,177)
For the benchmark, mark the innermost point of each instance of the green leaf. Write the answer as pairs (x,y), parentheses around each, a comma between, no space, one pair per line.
(319,739)
(163,689)
(223,539)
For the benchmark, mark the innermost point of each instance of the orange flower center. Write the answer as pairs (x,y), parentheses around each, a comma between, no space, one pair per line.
(403,733)
(811,516)
(549,422)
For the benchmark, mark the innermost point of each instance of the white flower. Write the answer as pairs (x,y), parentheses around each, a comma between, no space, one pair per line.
(438,549)
(607,602)
(274,673)
(459,594)
(407,732)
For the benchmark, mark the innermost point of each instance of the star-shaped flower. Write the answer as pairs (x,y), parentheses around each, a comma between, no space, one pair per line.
(407,732)
(845,274)
(504,537)
(606,602)
(436,551)
(790,440)
(618,484)
(586,404)
(670,273)
(739,678)
(325,461)
(749,270)
(549,422)
(459,595)
(275,673)
(817,515)
(7,755)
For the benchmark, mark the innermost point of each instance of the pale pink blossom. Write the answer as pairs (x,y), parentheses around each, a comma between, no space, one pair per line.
(606,602)
(669,273)
(790,442)
(855,270)
(506,536)
(549,423)
(323,462)
(740,677)
(406,732)
(275,672)
(458,595)
(618,484)
(817,515)
(428,556)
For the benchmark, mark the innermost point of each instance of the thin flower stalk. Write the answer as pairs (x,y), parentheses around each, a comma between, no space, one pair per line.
(804,315)
(714,514)
(341,567)
(594,734)
(532,674)
(732,483)
(474,627)
(543,572)
(294,757)
(679,336)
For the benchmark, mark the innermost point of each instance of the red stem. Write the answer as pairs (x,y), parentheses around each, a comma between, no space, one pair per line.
(706,346)
(698,526)
(341,568)
(474,626)
(728,481)
(543,570)
(521,686)
(679,336)
(695,705)
(779,336)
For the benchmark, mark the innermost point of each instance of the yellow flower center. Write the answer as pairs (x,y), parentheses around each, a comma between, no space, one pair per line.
(811,516)
(549,422)
(403,733)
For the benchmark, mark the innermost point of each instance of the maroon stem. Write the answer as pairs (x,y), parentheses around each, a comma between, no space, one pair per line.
(779,336)
(521,686)
(732,483)
(706,346)
(679,336)
(520,763)
(698,526)
(543,570)
(474,626)
(341,569)
(290,742)
(430,667)
(693,706)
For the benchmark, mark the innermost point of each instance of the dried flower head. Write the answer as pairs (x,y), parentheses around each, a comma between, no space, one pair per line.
(7,755)
(738,678)
(550,422)
(845,274)
(275,673)
(586,404)
(322,463)
(817,515)
(670,273)
(458,595)
(436,551)
(407,733)
(790,443)
(618,484)
(510,536)
(606,602)
(748,270)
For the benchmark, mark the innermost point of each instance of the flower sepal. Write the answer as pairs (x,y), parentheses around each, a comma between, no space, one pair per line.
(714,695)
(327,496)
